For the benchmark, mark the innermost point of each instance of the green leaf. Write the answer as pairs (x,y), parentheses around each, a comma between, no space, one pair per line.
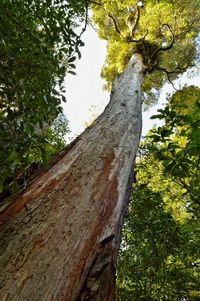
(44,157)
(72,72)
(72,66)
(72,59)
(1,186)
(158,116)
(14,187)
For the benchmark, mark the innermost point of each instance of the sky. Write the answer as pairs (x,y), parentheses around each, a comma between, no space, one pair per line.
(84,90)
(85,95)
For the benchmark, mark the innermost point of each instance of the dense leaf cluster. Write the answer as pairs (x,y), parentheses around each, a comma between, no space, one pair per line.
(39,42)
(177,143)
(159,257)
(171,25)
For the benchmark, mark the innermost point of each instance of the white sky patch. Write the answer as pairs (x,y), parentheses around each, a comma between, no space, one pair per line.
(84,90)
(140,3)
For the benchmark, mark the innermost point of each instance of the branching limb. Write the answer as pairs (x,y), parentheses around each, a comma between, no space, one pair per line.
(109,15)
(128,38)
(172,41)
(147,32)
(177,70)
(159,49)
(136,22)
(114,22)
(86,18)
(141,39)
(93,27)
(168,76)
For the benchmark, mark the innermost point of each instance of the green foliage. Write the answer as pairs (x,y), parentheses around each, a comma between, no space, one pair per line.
(38,45)
(123,52)
(159,255)
(18,164)
(160,23)
(185,100)
(177,143)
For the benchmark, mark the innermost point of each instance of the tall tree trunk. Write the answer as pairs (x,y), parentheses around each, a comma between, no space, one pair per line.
(59,239)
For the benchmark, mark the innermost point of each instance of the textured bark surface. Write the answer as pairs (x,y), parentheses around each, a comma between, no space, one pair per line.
(59,239)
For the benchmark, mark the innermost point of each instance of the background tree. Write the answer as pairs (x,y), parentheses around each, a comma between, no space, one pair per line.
(159,257)
(39,43)
(177,143)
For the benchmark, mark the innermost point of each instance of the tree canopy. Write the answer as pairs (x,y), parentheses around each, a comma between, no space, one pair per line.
(165,34)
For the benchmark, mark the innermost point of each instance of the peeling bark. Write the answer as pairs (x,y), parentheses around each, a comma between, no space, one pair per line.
(59,239)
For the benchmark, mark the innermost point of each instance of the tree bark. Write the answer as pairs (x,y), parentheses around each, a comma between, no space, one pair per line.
(59,239)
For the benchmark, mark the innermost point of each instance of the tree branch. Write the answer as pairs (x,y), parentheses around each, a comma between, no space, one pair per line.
(177,70)
(86,18)
(172,41)
(141,39)
(109,15)
(136,22)
(168,76)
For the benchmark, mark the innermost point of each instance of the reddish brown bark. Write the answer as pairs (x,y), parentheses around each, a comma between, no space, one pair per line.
(59,238)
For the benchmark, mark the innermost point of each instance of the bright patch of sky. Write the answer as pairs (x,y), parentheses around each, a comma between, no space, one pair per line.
(85,96)
(84,90)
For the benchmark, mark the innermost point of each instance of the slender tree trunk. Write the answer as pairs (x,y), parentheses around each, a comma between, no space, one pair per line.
(59,239)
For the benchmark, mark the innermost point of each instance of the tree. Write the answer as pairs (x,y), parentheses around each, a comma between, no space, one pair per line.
(60,236)
(159,255)
(176,143)
(39,44)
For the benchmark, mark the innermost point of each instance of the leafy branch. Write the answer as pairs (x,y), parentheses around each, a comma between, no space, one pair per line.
(172,39)
(86,18)
(109,15)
